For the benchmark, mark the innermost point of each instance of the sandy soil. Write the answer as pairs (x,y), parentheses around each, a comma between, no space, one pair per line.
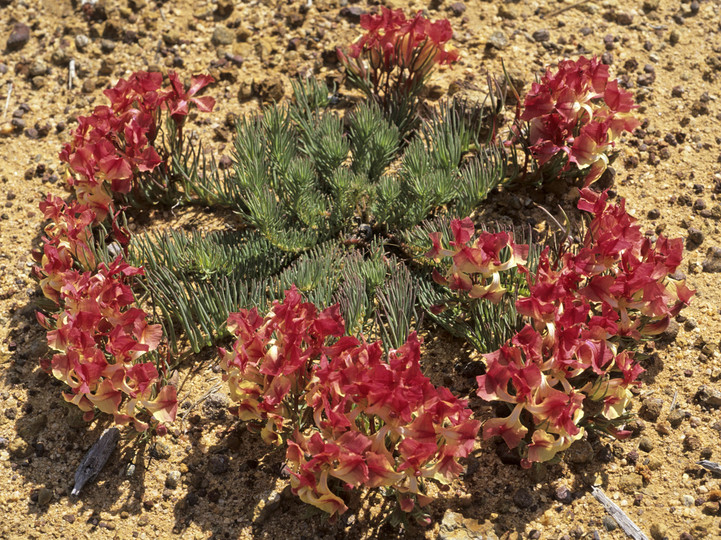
(210,478)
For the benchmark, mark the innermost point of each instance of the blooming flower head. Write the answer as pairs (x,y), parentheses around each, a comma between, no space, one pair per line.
(578,112)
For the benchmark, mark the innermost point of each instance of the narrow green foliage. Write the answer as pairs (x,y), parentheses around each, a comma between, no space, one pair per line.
(397,307)
(374,140)
(302,180)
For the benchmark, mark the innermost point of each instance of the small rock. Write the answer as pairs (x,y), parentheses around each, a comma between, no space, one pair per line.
(687,500)
(541,36)
(19,448)
(37,68)
(81,42)
(675,417)
(19,36)
(711,397)
(218,464)
(712,213)
(172,479)
(70,518)
(523,498)
(654,214)
(498,40)
(650,5)
(563,494)
(579,452)
(161,450)
(60,57)
(691,442)
(224,8)
(33,427)
(271,89)
(455,527)
(457,8)
(645,444)
(88,86)
(44,496)
(711,508)
(695,236)
(107,45)
(352,13)
(630,483)
(712,263)
(39,82)
(651,407)
(266,506)
(670,333)
(215,406)
(222,35)
(609,523)
(624,18)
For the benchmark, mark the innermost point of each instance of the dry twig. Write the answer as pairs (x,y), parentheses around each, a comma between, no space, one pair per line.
(565,8)
(628,526)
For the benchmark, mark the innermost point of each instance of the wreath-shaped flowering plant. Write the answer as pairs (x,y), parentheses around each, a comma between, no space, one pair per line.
(348,227)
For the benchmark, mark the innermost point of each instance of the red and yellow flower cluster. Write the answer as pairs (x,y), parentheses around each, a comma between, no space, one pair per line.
(98,335)
(579,112)
(476,266)
(354,415)
(114,144)
(580,308)
(394,43)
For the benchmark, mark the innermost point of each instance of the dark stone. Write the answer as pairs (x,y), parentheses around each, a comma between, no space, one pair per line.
(579,452)
(675,417)
(695,236)
(706,395)
(624,19)
(216,404)
(541,36)
(19,36)
(352,13)
(218,464)
(654,214)
(651,408)
(670,333)
(609,523)
(457,8)
(645,444)
(712,264)
(563,494)
(523,498)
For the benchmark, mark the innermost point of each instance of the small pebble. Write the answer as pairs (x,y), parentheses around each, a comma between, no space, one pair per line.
(172,479)
(541,36)
(609,523)
(695,236)
(19,36)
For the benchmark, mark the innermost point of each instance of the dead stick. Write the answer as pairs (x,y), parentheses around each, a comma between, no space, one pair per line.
(71,74)
(628,526)
(7,100)
(559,11)
(205,396)
(95,459)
